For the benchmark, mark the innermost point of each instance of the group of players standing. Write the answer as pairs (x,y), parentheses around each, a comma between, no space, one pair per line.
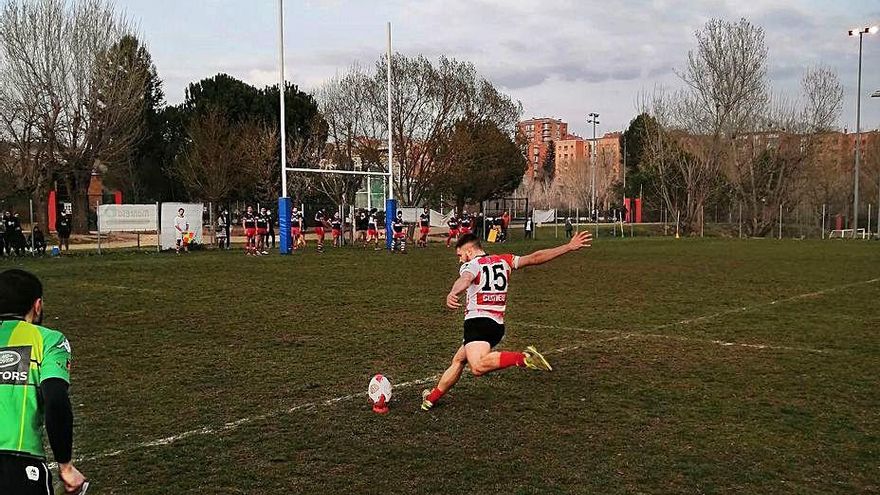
(367,224)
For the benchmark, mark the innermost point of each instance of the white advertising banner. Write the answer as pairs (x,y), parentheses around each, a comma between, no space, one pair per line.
(544,216)
(193,213)
(127,218)
(438,219)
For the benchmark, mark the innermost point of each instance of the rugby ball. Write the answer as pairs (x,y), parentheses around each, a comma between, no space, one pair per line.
(379,392)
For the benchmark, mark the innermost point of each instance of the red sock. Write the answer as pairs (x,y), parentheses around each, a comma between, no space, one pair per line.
(509,359)
(435,395)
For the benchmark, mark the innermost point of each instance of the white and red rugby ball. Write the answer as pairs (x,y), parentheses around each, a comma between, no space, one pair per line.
(379,390)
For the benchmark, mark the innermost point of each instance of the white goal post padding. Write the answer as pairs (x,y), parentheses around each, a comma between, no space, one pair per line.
(193,213)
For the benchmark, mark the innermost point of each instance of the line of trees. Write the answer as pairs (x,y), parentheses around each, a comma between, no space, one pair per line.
(79,94)
(726,138)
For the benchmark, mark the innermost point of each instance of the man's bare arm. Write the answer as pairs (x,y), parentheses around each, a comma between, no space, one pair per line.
(458,287)
(581,239)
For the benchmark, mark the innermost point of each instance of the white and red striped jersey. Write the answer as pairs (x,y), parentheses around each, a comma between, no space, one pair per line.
(487,294)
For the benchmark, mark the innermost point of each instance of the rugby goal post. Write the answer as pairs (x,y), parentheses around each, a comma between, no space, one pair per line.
(284,202)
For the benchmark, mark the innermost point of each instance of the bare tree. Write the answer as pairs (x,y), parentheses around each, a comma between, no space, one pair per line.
(211,166)
(258,145)
(351,127)
(63,60)
(823,98)
(726,92)
(427,101)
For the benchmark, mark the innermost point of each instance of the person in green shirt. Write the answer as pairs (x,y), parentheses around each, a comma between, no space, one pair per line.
(34,378)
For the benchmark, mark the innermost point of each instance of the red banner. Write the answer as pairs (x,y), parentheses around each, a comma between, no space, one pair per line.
(53,210)
(117,197)
(638,210)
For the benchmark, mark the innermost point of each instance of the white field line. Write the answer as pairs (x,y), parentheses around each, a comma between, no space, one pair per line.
(714,316)
(232,425)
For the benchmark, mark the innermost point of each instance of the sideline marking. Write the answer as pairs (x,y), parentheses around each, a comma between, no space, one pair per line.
(232,425)
(713,316)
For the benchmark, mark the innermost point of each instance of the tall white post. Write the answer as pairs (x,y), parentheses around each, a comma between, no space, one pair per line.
(281,88)
(390,142)
(780,220)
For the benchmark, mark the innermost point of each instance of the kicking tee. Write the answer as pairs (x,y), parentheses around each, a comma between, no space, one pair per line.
(487,294)
(29,354)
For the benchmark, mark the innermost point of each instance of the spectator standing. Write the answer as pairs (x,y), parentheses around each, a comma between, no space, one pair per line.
(569,228)
(222,230)
(529,227)
(9,232)
(271,220)
(505,222)
(62,227)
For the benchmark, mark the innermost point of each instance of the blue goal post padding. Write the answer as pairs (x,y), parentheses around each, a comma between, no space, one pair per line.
(285,244)
(390,215)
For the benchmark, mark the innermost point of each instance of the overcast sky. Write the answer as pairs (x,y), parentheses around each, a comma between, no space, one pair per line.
(563,59)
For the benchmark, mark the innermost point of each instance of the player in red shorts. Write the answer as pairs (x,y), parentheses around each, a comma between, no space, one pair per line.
(485,279)
(296,233)
(373,230)
(466,221)
(398,227)
(336,230)
(320,223)
(452,223)
(424,227)
(249,223)
(262,231)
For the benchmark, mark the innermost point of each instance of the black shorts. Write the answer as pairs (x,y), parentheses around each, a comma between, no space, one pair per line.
(483,330)
(24,475)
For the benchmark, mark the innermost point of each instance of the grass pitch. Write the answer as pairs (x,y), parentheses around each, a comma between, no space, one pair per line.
(688,366)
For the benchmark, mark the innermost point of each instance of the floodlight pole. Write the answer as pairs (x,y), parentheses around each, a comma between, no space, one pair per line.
(861,32)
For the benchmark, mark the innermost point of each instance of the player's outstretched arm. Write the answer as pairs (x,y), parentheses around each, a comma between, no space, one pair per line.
(458,287)
(580,240)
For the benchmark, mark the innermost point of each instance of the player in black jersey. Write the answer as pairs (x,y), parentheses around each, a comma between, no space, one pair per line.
(466,222)
(360,225)
(399,229)
(296,230)
(262,232)
(373,229)
(336,230)
(320,223)
(452,223)
(249,223)
(424,227)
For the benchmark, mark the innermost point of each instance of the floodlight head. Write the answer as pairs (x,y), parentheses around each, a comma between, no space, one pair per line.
(876,94)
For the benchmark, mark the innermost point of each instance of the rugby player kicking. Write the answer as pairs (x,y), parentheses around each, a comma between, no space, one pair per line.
(484,277)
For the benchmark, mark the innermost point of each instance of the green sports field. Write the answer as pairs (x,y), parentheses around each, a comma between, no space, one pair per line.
(682,366)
